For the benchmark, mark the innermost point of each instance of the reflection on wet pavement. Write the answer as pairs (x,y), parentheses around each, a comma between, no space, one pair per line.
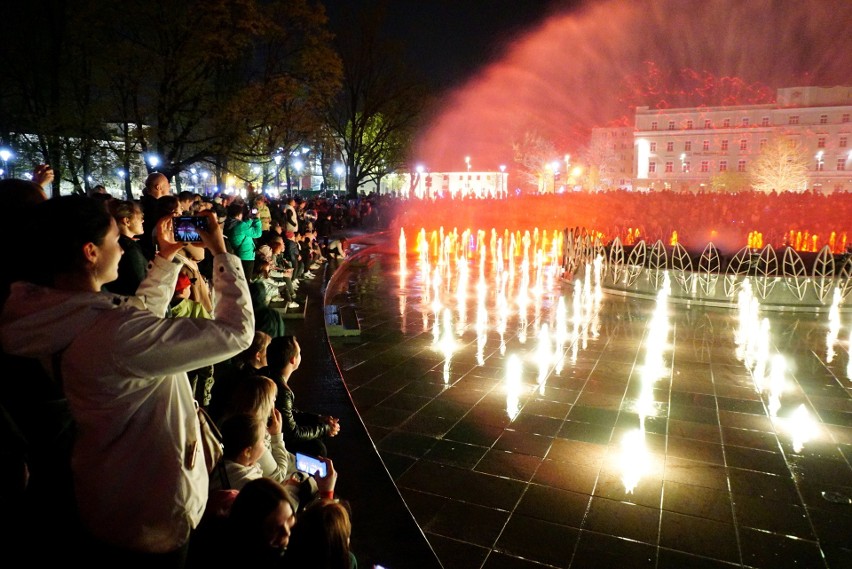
(534,422)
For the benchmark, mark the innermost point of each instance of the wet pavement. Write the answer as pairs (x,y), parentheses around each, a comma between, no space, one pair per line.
(530,468)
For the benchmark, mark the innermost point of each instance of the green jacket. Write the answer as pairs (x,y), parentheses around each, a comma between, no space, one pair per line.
(241,235)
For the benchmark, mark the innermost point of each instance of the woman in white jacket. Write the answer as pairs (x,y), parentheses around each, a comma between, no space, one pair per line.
(139,474)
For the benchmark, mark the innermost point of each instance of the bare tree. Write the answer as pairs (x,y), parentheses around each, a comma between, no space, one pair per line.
(781,166)
(535,154)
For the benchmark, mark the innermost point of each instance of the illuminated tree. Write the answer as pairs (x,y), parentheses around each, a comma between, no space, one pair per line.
(601,164)
(535,154)
(781,166)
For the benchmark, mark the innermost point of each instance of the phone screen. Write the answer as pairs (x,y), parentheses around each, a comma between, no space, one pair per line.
(310,465)
(186,228)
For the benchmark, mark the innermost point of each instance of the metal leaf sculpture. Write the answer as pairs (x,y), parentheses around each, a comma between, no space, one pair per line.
(823,273)
(657,263)
(795,275)
(635,263)
(616,259)
(682,267)
(601,252)
(844,278)
(568,259)
(709,269)
(767,272)
(738,267)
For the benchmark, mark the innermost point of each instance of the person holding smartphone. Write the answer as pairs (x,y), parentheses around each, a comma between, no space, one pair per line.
(140,478)
(303,432)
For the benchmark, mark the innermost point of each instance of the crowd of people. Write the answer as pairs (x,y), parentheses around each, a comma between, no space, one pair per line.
(114,334)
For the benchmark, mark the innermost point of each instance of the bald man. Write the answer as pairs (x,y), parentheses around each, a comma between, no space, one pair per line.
(156,186)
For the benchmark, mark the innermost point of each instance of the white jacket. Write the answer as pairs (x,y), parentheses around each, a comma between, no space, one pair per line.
(139,476)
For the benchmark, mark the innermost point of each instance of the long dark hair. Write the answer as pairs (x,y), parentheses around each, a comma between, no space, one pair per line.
(63,226)
(320,538)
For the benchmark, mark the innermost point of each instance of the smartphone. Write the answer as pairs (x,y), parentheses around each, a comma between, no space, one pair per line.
(310,465)
(186,228)
(254,211)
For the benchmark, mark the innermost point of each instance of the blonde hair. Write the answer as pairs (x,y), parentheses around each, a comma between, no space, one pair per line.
(252,395)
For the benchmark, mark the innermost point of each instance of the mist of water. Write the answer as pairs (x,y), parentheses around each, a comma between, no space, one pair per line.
(592,65)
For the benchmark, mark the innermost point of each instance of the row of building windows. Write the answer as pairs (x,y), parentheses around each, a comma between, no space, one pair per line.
(723,166)
(843,142)
(746,121)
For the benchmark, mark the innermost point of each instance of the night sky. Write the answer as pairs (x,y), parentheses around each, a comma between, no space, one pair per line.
(449,40)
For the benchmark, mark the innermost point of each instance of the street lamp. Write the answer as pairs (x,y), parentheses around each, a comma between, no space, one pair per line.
(5,154)
(298,165)
(339,171)
(153,161)
(277,159)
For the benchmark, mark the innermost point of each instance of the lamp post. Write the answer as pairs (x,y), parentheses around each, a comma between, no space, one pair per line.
(5,155)
(339,171)
(298,165)
(153,162)
(277,160)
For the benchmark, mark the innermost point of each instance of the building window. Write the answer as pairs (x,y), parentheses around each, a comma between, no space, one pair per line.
(671,125)
(743,144)
(705,165)
(723,165)
(614,146)
(820,165)
(653,147)
(726,123)
(745,121)
(725,144)
(843,142)
(684,167)
(652,167)
(706,146)
(821,142)
(689,125)
(764,121)
(823,119)
(762,143)
(845,117)
(741,166)
(654,125)
(669,166)
(794,119)
(841,163)
(687,145)
(708,123)
(670,147)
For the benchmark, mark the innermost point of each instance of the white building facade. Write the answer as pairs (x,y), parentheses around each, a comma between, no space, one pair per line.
(684,149)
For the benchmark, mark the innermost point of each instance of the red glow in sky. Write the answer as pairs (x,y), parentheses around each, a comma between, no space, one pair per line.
(593,65)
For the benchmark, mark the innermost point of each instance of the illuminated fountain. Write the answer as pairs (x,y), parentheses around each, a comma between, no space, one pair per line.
(634,459)
(514,386)
(833,326)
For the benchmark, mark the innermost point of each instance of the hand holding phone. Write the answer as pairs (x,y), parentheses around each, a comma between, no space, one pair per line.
(186,228)
(311,465)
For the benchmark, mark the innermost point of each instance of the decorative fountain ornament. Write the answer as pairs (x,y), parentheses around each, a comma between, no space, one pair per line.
(514,386)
